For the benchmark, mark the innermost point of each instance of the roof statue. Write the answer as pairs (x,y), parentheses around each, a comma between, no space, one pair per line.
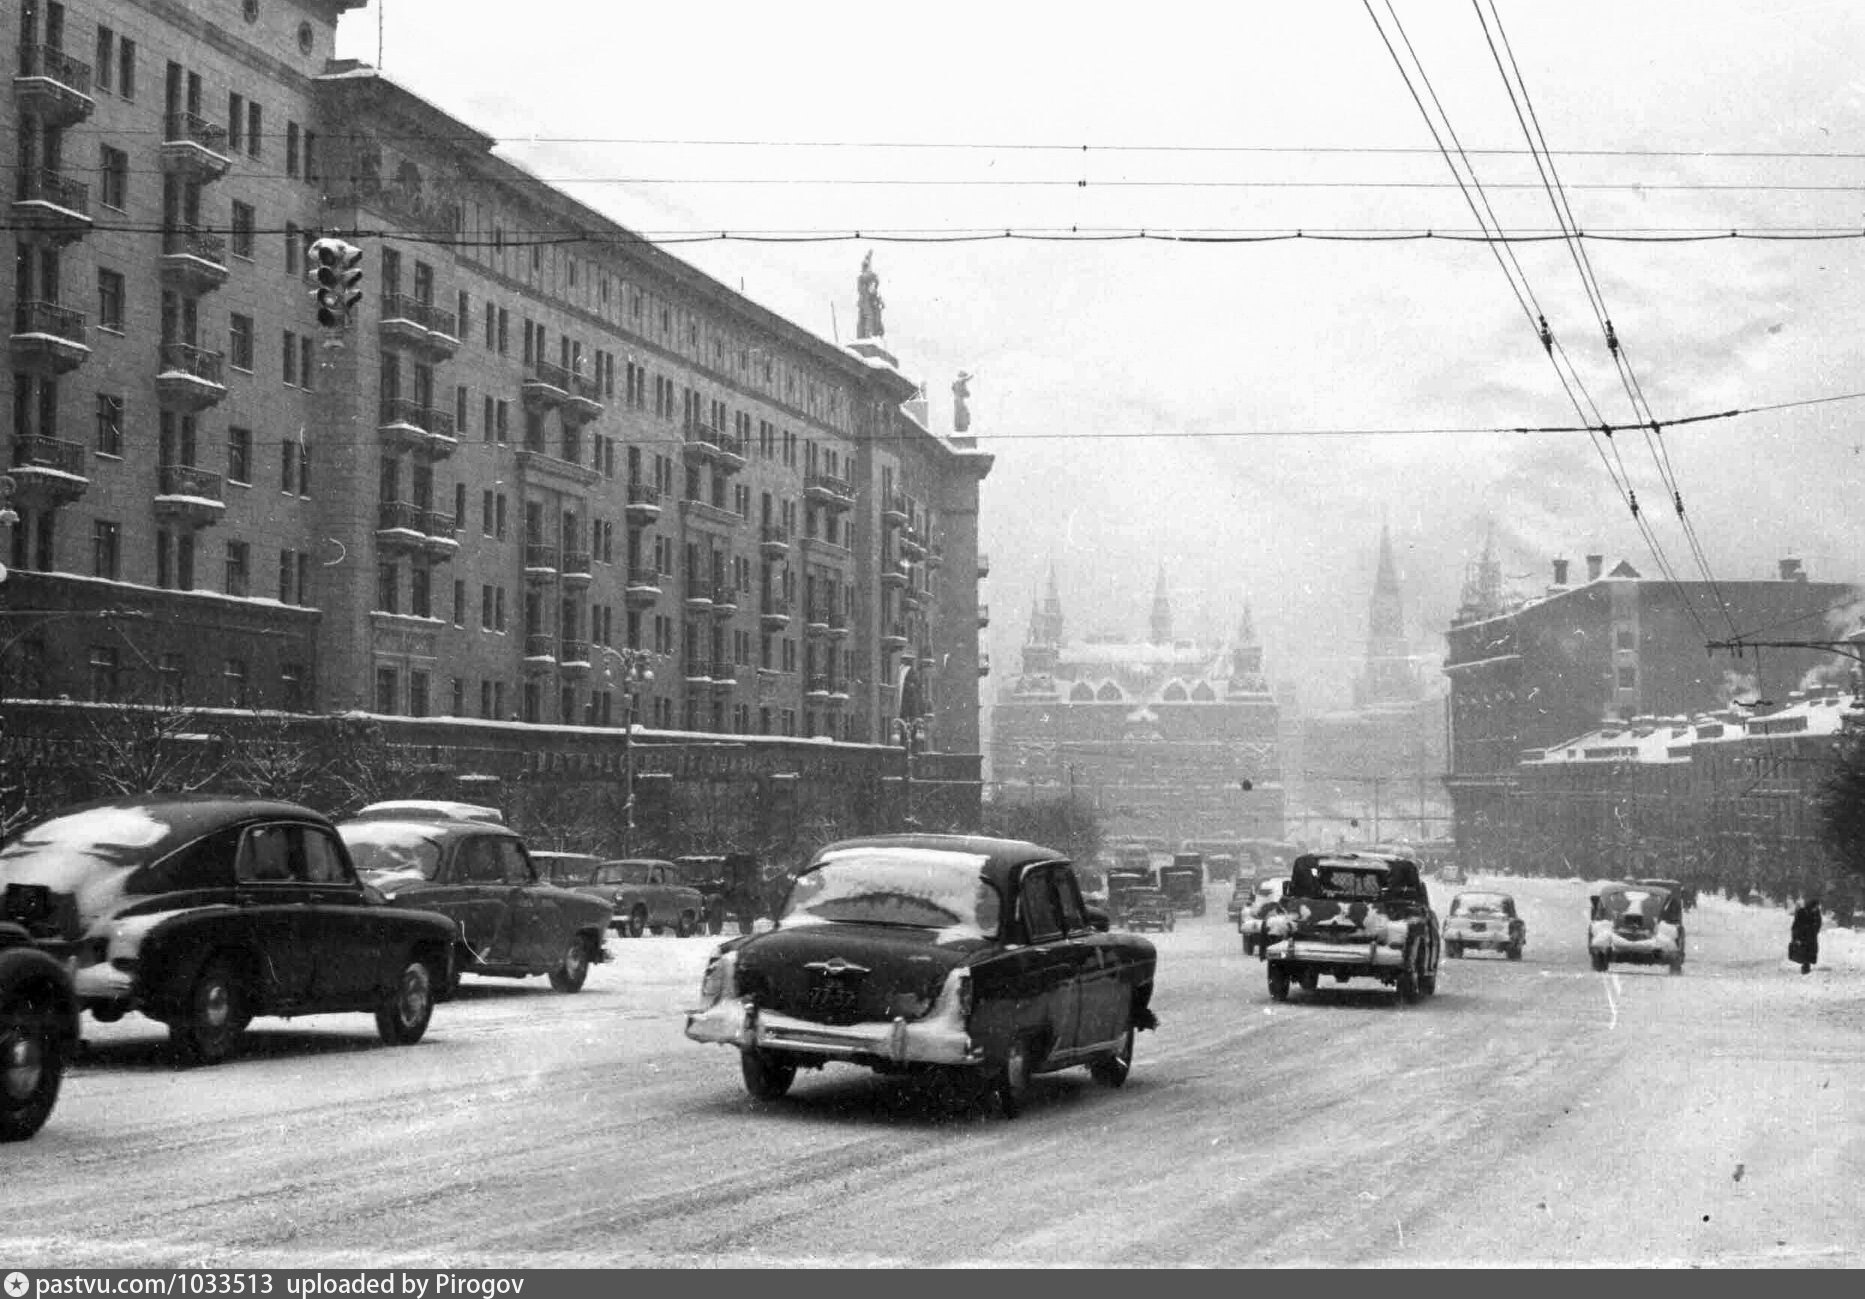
(961,395)
(868,302)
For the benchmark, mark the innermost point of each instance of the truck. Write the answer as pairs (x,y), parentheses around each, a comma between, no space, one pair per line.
(1122,881)
(1355,914)
(732,885)
(1183,882)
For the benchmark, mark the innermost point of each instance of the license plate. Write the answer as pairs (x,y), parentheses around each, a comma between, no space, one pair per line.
(1479,927)
(831,996)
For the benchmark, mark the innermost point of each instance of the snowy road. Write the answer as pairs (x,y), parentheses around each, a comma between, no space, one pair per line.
(1533,1112)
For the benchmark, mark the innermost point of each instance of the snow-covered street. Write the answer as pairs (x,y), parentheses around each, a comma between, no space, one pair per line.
(1531,1113)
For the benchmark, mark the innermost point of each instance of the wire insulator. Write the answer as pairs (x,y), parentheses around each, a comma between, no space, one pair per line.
(1677,499)
(1632,500)
(1547,335)
(1612,338)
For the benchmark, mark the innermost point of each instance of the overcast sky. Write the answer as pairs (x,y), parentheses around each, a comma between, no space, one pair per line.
(1120,383)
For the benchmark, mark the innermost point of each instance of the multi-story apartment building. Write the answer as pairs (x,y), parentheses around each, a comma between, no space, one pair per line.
(543,442)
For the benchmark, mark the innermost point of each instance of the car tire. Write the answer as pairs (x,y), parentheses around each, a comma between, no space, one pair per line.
(1278,981)
(403,1016)
(715,919)
(685,925)
(574,969)
(1408,986)
(1600,961)
(767,1077)
(1310,980)
(1011,1081)
(32,1059)
(1428,982)
(1677,965)
(1515,951)
(1454,950)
(1113,1071)
(209,1026)
(637,921)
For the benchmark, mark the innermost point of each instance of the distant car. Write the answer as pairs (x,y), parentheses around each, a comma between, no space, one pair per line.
(1265,898)
(1355,915)
(1242,890)
(731,883)
(648,897)
(38,1032)
(1148,909)
(512,924)
(1486,922)
(203,912)
(420,809)
(1450,873)
(1183,882)
(934,954)
(567,870)
(1636,924)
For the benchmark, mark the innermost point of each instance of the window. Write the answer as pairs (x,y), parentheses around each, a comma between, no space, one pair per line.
(1625,639)
(385,690)
(252,130)
(388,588)
(293,694)
(242,229)
(498,608)
(239,455)
(240,342)
(174,560)
(106,55)
(305,369)
(126,68)
(458,707)
(105,548)
(236,119)
(105,672)
(499,516)
(288,360)
(109,300)
(291,148)
(109,424)
(485,699)
(485,607)
(420,591)
(485,512)
(459,605)
(417,693)
(287,577)
(172,673)
(114,178)
(233,681)
(1628,678)
(310,155)
(239,573)
(294,241)
(288,469)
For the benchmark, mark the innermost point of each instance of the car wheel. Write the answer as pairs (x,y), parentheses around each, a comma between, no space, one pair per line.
(715,919)
(1278,981)
(767,1077)
(1428,982)
(1311,979)
(32,1061)
(1515,951)
(1454,950)
(637,922)
(569,976)
(402,1017)
(1677,965)
(215,1015)
(1012,1082)
(1408,986)
(1600,961)
(1113,1071)
(684,926)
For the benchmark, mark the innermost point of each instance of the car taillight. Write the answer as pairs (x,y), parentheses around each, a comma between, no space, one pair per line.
(720,978)
(962,993)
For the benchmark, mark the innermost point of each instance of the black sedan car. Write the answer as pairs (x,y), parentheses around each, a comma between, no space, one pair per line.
(512,924)
(38,1029)
(968,957)
(203,912)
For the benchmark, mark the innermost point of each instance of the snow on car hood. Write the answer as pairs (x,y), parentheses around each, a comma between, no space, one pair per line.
(89,854)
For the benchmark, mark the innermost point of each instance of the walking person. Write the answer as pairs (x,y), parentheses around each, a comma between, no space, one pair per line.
(1803,947)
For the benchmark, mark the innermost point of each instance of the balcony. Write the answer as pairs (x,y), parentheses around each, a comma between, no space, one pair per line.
(699,443)
(189,495)
(894,636)
(644,504)
(418,325)
(401,423)
(47,471)
(774,613)
(195,148)
(440,438)
(52,86)
(541,560)
(50,205)
(537,463)
(194,261)
(822,548)
(838,626)
(540,649)
(912,600)
(826,489)
(730,453)
(698,672)
(695,511)
(724,675)
(935,555)
(894,510)
(584,402)
(398,526)
(984,565)
(573,657)
(774,541)
(546,386)
(575,568)
(48,337)
(724,600)
(643,588)
(189,377)
(912,544)
(984,615)
(698,593)
(820,688)
(816,620)
(440,537)
(895,576)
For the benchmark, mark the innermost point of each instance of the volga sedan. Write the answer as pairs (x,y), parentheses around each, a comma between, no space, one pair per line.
(966,956)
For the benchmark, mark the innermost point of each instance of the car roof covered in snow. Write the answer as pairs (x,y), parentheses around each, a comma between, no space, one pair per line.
(1002,859)
(446,809)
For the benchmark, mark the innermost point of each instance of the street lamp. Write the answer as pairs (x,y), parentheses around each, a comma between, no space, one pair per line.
(909,732)
(636,671)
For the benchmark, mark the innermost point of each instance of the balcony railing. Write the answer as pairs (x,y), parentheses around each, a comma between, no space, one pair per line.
(35,317)
(540,555)
(186,480)
(404,306)
(575,561)
(405,410)
(644,577)
(644,496)
(540,645)
(723,670)
(398,516)
(55,65)
(830,485)
(586,389)
(438,523)
(31,449)
(192,128)
(203,245)
(551,373)
(44,185)
(573,651)
(186,358)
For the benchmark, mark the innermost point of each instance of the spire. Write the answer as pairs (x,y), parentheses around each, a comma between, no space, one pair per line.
(1390,675)
(1162,611)
(1246,659)
(1045,640)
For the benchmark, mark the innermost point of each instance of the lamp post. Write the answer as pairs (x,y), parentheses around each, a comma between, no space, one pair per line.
(636,671)
(908,732)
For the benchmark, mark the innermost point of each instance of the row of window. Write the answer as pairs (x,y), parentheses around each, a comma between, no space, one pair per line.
(122,674)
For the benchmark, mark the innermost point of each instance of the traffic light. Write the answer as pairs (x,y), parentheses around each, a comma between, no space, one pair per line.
(337,268)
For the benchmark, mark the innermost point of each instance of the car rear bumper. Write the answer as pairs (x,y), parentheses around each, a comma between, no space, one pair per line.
(1636,949)
(103,984)
(1488,938)
(732,1022)
(1369,956)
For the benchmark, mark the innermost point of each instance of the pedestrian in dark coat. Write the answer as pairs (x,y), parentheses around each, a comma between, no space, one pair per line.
(1803,947)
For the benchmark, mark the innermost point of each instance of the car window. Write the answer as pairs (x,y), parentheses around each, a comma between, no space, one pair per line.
(378,846)
(1068,898)
(265,855)
(1041,919)
(514,866)
(478,860)
(323,859)
(207,863)
(918,888)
